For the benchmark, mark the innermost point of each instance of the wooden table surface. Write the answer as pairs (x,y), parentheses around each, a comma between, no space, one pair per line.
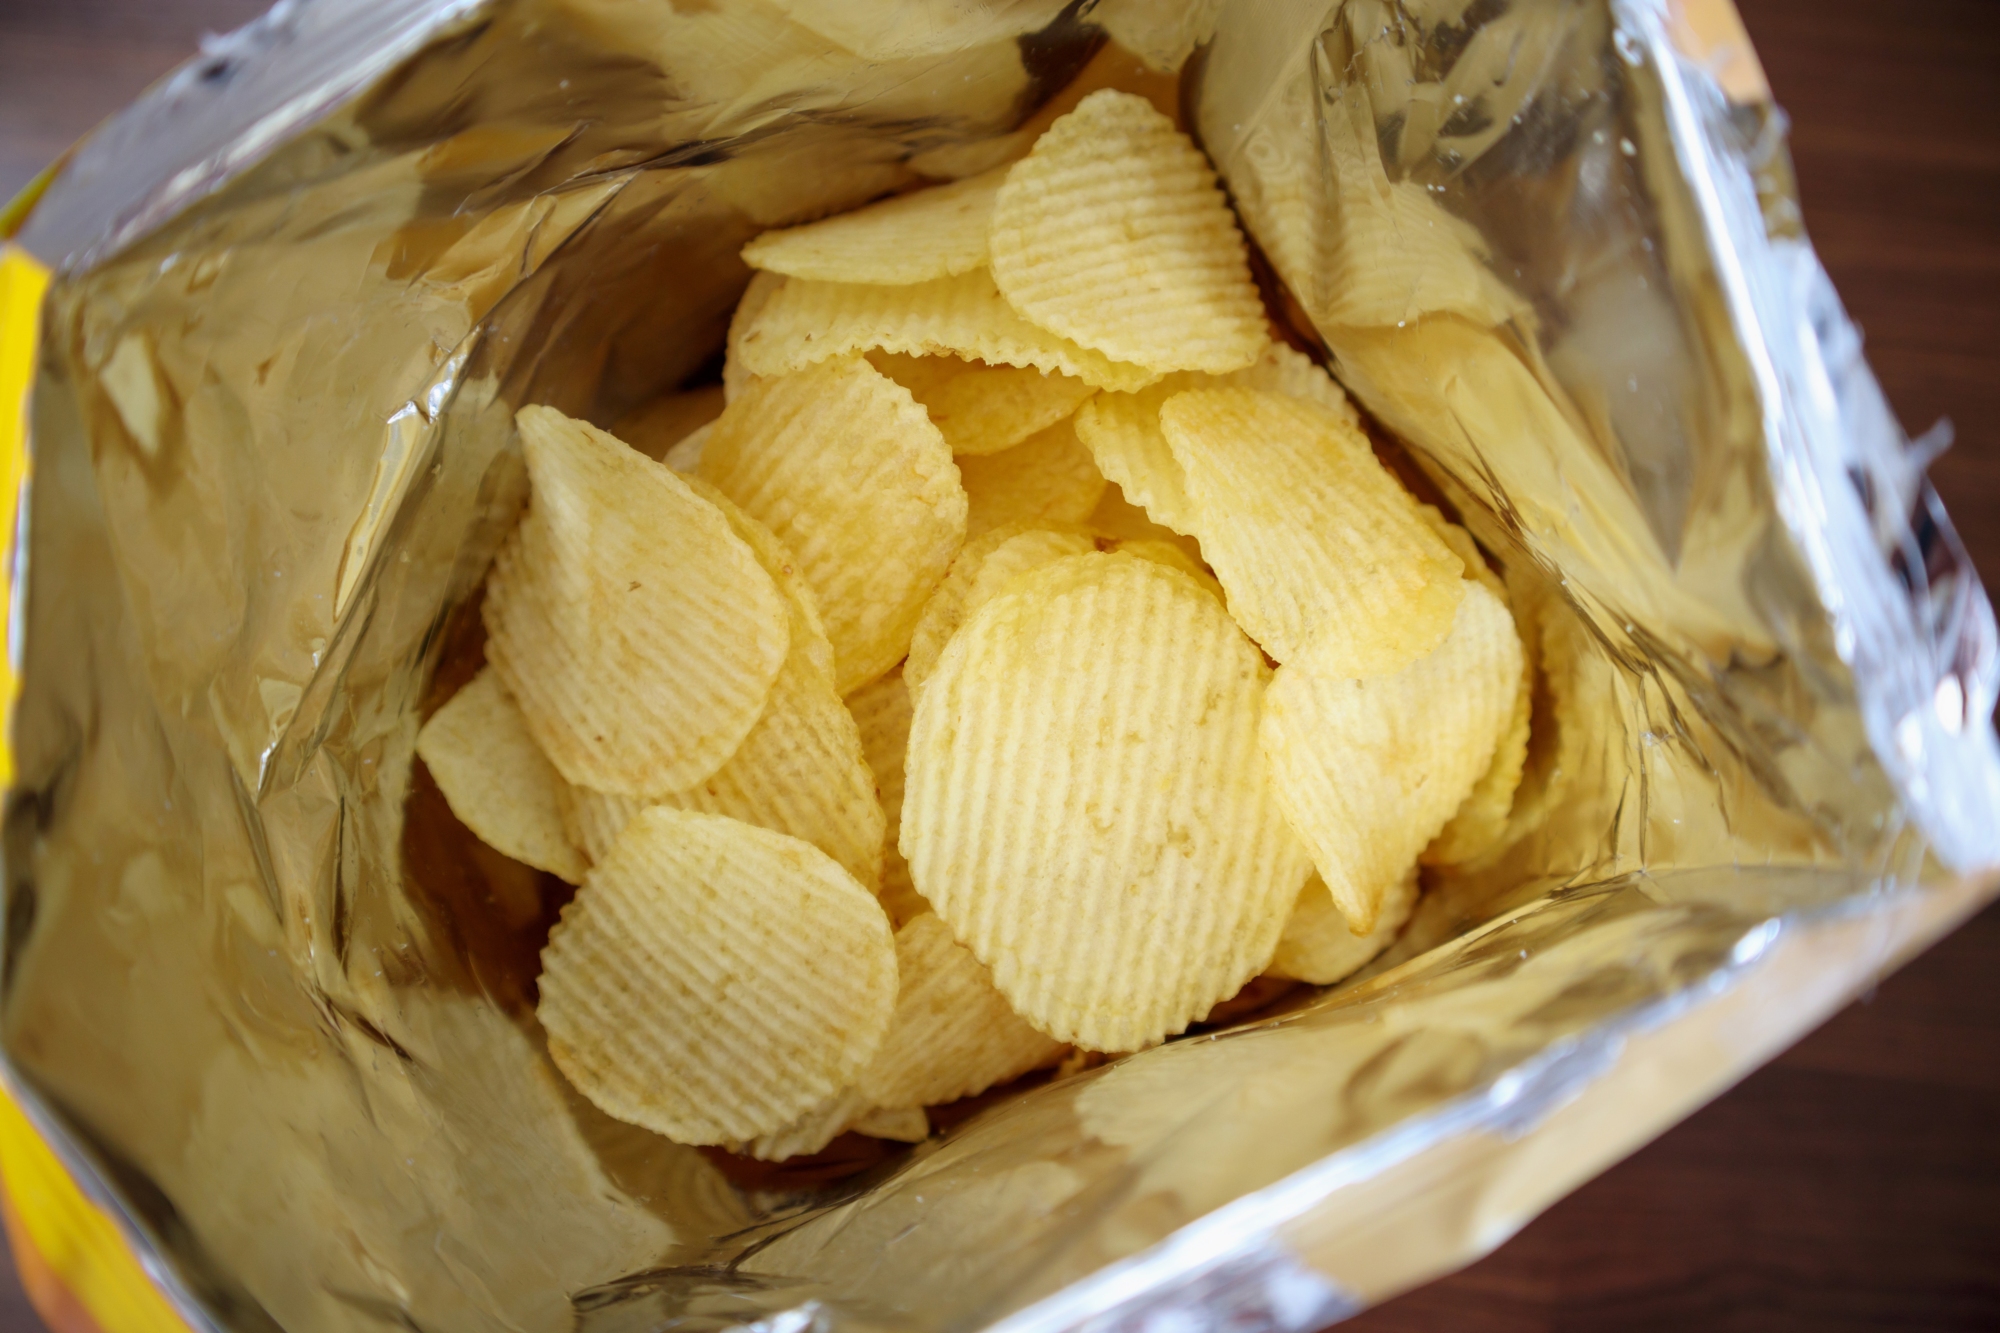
(1854,1182)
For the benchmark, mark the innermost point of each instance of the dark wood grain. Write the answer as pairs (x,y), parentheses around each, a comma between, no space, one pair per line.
(1855,1182)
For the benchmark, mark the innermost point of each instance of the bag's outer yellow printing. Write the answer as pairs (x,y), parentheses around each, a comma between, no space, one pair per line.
(842,465)
(638,633)
(1086,807)
(713,981)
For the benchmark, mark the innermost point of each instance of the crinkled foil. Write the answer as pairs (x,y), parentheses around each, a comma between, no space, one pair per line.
(276,1006)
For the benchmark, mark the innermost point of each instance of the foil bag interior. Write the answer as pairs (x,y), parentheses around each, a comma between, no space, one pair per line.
(277,1008)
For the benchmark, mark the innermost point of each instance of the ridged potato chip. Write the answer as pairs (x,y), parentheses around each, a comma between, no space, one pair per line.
(685,455)
(982,409)
(1122,433)
(496,779)
(953,1034)
(1121,520)
(1122,430)
(1050,478)
(1464,547)
(1086,807)
(934,233)
(638,633)
(1319,948)
(804,322)
(800,771)
(810,1132)
(840,463)
(1483,818)
(1311,536)
(749,308)
(1173,556)
(882,711)
(713,981)
(1368,771)
(654,428)
(987,563)
(1113,233)
(901,1124)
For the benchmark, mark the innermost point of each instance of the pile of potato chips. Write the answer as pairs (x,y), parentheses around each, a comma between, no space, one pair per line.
(895,750)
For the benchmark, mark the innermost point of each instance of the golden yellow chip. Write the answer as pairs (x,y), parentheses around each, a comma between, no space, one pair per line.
(1317,946)
(1113,233)
(1048,479)
(1174,556)
(654,428)
(1483,818)
(712,981)
(1011,549)
(842,465)
(882,712)
(496,779)
(1311,536)
(901,1124)
(818,1126)
(1120,520)
(1122,433)
(1368,771)
(1465,548)
(800,771)
(1283,369)
(935,233)
(804,322)
(638,633)
(1086,807)
(685,456)
(953,1034)
(982,409)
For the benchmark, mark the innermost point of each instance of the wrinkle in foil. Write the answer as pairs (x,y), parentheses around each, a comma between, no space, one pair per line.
(284,1004)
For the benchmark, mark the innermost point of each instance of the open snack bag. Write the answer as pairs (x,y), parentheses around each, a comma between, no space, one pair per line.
(943,665)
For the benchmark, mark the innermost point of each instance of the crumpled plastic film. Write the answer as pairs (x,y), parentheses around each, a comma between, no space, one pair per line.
(278,1005)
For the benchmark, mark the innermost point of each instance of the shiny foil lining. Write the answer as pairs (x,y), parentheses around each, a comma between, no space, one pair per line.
(277,1007)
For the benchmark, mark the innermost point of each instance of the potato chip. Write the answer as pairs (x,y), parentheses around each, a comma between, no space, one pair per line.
(810,1132)
(1048,479)
(934,233)
(1483,818)
(901,1124)
(882,712)
(1283,369)
(712,981)
(1368,771)
(840,463)
(1086,807)
(638,633)
(735,375)
(1121,520)
(496,779)
(655,428)
(1317,946)
(685,457)
(1122,432)
(805,322)
(1173,556)
(982,409)
(1464,547)
(1310,535)
(800,771)
(1113,233)
(1011,549)
(953,1035)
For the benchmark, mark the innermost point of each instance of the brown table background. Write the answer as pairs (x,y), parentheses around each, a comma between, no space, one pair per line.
(1854,1183)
